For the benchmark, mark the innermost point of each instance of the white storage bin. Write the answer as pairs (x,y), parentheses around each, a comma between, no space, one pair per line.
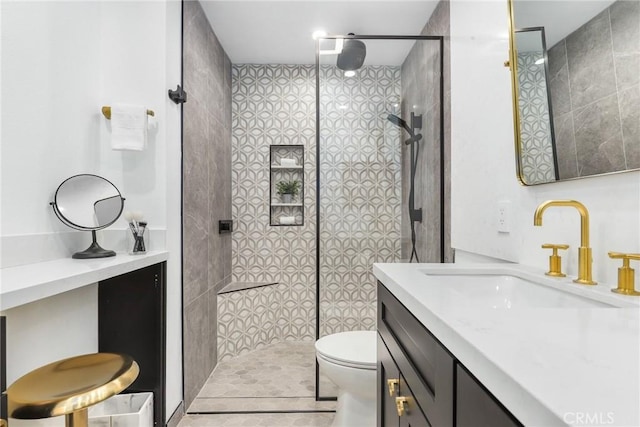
(123,410)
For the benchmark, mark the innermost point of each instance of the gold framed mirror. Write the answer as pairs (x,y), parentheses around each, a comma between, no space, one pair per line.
(575,74)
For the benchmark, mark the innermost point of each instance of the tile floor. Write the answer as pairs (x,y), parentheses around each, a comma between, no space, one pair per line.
(270,387)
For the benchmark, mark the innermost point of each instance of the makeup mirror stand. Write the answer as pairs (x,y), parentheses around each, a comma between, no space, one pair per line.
(94,250)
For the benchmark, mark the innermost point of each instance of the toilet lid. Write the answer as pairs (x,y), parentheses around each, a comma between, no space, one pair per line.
(350,348)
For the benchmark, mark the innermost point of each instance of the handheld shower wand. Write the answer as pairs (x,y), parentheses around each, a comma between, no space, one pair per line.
(416,123)
(414,214)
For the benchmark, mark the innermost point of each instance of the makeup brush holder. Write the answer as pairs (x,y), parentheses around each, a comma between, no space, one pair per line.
(137,243)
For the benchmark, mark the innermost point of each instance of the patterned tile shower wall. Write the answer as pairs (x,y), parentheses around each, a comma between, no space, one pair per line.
(271,104)
(360,192)
(252,318)
(535,131)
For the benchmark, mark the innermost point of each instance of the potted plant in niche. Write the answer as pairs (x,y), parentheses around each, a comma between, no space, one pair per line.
(288,190)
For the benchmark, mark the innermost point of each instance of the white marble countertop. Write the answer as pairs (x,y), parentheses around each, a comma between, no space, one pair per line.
(27,283)
(548,366)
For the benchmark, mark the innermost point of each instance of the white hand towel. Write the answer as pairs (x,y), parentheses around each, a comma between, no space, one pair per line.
(128,127)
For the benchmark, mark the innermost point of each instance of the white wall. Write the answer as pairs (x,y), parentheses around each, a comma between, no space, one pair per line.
(60,334)
(50,106)
(61,62)
(483,164)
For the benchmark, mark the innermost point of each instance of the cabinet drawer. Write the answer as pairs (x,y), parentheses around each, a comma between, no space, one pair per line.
(425,364)
(387,370)
(476,407)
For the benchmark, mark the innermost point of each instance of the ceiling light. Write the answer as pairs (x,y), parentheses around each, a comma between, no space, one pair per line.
(318,34)
(349,73)
(539,61)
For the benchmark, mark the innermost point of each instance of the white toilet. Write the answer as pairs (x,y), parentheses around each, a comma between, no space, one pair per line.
(349,360)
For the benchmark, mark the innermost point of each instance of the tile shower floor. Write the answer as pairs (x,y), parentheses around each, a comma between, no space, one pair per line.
(270,387)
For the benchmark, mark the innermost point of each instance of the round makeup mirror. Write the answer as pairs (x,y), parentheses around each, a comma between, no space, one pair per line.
(89,203)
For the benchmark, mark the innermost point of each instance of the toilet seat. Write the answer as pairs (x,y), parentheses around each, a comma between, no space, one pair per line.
(355,349)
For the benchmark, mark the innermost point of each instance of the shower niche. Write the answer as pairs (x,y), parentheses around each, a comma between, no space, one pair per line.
(286,186)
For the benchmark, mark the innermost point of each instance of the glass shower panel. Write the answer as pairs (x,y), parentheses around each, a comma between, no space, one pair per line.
(361,192)
(363,185)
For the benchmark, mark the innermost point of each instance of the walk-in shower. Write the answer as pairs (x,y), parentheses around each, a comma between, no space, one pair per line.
(379,146)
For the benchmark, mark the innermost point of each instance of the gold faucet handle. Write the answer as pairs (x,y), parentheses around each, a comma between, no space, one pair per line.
(622,255)
(625,273)
(555,260)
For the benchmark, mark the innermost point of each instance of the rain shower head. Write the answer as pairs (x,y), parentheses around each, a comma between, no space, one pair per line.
(352,56)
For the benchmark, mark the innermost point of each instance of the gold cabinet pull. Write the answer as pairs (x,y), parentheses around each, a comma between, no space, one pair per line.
(400,402)
(555,260)
(392,383)
(626,284)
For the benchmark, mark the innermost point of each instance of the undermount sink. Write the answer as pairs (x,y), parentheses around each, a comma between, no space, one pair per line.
(508,290)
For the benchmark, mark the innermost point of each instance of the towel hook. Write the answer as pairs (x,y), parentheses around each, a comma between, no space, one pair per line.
(179,96)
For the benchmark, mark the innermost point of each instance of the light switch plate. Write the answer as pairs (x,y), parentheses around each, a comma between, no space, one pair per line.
(504,217)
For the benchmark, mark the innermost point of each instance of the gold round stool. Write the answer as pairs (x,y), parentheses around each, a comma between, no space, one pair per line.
(69,386)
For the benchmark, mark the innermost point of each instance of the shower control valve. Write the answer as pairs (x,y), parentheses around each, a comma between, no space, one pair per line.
(416,215)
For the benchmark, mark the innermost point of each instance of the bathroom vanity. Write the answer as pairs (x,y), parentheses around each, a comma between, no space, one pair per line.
(131,308)
(495,345)
(418,376)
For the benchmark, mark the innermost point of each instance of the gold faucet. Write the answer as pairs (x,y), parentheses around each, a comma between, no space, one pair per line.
(584,251)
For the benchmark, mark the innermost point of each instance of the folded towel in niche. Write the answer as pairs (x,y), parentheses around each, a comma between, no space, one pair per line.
(288,220)
(288,162)
(128,127)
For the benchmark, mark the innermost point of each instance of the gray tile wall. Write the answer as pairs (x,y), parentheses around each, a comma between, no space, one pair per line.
(536,158)
(595,86)
(206,192)
(420,88)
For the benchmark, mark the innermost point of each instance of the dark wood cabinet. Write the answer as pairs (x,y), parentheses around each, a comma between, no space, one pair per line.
(398,405)
(131,320)
(476,407)
(426,368)
(437,390)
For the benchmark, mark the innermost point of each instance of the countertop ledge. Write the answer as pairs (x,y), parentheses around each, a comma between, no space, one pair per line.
(32,282)
(548,366)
